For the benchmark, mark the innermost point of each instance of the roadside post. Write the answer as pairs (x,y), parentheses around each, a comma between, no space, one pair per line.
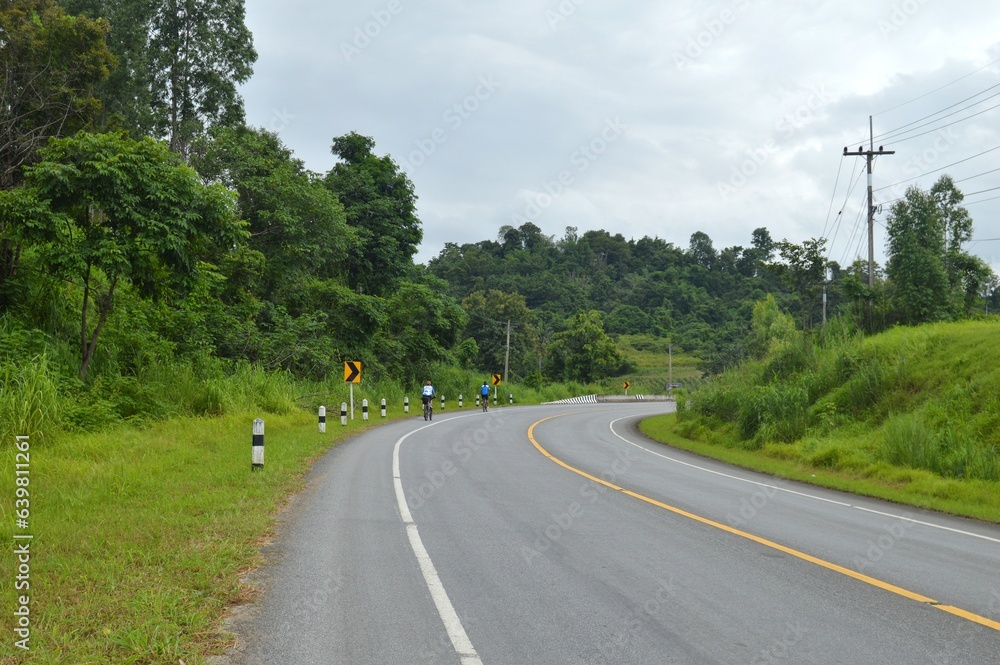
(257,455)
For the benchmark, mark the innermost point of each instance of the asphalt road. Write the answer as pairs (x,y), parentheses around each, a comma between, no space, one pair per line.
(577,540)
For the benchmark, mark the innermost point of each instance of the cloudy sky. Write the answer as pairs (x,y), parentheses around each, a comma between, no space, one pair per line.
(643,118)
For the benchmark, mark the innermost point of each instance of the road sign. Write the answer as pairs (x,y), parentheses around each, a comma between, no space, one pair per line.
(497,379)
(626,385)
(352,371)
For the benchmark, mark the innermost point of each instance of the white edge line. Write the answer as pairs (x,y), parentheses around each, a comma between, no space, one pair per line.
(802,494)
(719,473)
(449,617)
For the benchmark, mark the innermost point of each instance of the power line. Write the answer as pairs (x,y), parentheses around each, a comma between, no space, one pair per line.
(972,203)
(833,194)
(889,136)
(937,129)
(901,127)
(926,94)
(839,218)
(940,169)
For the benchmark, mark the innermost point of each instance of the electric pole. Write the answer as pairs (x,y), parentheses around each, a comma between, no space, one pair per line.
(870,154)
(506,355)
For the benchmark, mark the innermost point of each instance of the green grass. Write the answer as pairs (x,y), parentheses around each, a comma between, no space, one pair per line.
(141,534)
(652,357)
(840,468)
(911,415)
(143,531)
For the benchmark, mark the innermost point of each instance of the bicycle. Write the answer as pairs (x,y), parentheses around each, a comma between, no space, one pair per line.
(428,410)
(486,403)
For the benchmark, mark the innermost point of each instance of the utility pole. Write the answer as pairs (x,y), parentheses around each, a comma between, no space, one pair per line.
(506,355)
(870,155)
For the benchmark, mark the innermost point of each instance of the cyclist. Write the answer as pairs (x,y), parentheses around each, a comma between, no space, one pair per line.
(427,397)
(485,392)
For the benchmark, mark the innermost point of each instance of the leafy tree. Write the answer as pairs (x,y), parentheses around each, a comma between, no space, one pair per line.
(803,268)
(916,249)
(380,205)
(123,211)
(297,225)
(50,63)
(488,313)
(422,326)
(584,352)
(199,51)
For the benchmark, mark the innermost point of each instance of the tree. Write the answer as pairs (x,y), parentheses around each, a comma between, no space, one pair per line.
(123,211)
(50,63)
(488,314)
(584,352)
(296,223)
(916,249)
(423,325)
(199,51)
(803,269)
(380,205)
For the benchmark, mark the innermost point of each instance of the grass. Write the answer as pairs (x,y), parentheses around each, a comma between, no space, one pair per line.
(141,534)
(143,531)
(911,415)
(838,469)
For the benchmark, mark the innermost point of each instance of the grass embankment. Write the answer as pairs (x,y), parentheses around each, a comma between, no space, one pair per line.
(142,530)
(911,415)
(655,370)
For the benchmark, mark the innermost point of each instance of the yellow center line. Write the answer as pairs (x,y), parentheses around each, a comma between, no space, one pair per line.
(886,586)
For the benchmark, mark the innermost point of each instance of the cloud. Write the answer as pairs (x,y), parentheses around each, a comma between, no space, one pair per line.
(747,94)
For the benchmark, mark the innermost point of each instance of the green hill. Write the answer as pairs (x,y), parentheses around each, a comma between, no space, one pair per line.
(912,414)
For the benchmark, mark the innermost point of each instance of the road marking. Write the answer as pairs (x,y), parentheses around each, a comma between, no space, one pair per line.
(449,617)
(886,586)
(802,494)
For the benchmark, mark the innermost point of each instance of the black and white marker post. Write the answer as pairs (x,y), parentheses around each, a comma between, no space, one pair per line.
(257,456)
(364,409)
(477,401)
(322,419)
(460,400)
(442,402)
(406,405)
(510,397)
(383,407)
(343,414)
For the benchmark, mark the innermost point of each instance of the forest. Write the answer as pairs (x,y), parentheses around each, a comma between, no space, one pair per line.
(148,233)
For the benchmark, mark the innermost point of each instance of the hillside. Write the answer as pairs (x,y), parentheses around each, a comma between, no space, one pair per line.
(913,409)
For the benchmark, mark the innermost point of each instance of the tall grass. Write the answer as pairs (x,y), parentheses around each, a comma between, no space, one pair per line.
(908,442)
(29,399)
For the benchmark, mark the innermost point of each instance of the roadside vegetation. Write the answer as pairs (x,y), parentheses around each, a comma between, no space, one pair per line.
(168,273)
(911,415)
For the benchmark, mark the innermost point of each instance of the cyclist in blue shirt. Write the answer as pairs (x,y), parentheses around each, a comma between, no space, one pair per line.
(427,394)
(485,392)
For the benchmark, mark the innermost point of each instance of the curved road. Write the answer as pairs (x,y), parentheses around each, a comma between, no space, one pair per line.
(559,534)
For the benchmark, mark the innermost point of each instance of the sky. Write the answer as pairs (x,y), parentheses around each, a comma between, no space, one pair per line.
(642,118)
